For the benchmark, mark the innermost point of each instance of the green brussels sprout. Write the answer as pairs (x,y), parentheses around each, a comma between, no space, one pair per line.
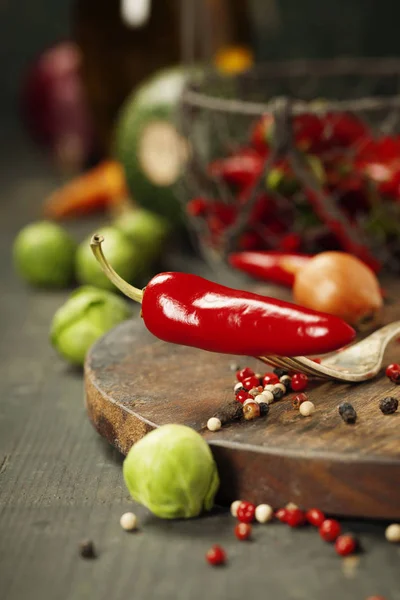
(123,254)
(44,255)
(172,472)
(146,229)
(85,317)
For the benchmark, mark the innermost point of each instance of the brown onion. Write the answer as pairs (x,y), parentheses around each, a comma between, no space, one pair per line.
(339,284)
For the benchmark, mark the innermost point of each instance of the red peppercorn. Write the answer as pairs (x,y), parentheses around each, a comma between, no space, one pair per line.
(281,515)
(315,517)
(294,517)
(243,531)
(299,382)
(270,378)
(244,373)
(299,399)
(316,360)
(250,382)
(246,512)
(242,396)
(196,207)
(345,545)
(216,555)
(392,370)
(329,530)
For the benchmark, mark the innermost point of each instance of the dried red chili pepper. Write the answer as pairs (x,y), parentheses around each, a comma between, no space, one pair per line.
(279,267)
(192,311)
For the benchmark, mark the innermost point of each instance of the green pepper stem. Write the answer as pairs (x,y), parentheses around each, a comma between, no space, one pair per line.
(127,289)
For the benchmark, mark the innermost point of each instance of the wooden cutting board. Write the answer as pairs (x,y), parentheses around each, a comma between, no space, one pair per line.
(134,383)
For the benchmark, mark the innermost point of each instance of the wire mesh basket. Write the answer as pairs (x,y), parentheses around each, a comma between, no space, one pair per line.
(300,156)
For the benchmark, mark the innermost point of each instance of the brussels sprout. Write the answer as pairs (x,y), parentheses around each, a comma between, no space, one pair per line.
(86,316)
(123,254)
(172,472)
(146,229)
(44,255)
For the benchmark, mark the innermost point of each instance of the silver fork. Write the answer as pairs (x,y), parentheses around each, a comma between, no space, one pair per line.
(359,362)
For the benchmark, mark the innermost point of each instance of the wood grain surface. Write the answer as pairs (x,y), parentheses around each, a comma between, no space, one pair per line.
(135,382)
(61,482)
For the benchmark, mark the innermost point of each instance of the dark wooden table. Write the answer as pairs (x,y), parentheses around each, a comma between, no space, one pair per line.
(59,482)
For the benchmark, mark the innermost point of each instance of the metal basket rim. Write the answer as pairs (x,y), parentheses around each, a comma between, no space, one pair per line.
(194,97)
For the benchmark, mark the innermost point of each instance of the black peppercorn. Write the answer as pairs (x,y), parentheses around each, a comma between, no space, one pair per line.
(278,393)
(347,412)
(286,380)
(264,409)
(280,372)
(86,549)
(389,405)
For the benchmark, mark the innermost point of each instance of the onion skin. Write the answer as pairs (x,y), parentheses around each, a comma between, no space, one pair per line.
(339,284)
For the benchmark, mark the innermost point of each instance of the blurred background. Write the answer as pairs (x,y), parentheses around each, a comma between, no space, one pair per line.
(238,125)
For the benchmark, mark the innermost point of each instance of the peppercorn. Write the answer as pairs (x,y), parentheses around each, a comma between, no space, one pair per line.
(395,378)
(299,382)
(250,382)
(277,393)
(244,373)
(270,378)
(280,386)
(269,387)
(243,531)
(294,517)
(329,530)
(234,507)
(242,396)
(264,513)
(128,521)
(264,409)
(392,533)
(287,382)
(281,515)
(246,512)
(345,545)
(216,556)
(299,399)
(306,408)
(392,370)
(251,410)
(280,372)
(238,387)
(389,405)
(86,549)
(315,517)
(348,413)
(214,424)
(255,391)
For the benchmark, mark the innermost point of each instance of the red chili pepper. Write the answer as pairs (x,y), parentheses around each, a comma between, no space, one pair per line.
(186,309)
(242,168)
(279,267)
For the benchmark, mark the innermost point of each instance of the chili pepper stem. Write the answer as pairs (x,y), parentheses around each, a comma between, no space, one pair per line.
(127,289)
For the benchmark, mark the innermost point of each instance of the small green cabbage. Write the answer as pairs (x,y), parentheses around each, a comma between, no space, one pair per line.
(146,229)
(44,255)
(172,472)
(87,315)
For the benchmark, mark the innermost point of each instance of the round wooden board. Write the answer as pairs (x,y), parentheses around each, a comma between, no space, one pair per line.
(134,383)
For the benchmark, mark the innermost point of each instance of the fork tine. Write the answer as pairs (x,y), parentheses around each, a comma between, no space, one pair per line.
(269,360)
(297,365)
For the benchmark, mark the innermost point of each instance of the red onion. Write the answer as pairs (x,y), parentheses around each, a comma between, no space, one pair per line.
(54,105)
